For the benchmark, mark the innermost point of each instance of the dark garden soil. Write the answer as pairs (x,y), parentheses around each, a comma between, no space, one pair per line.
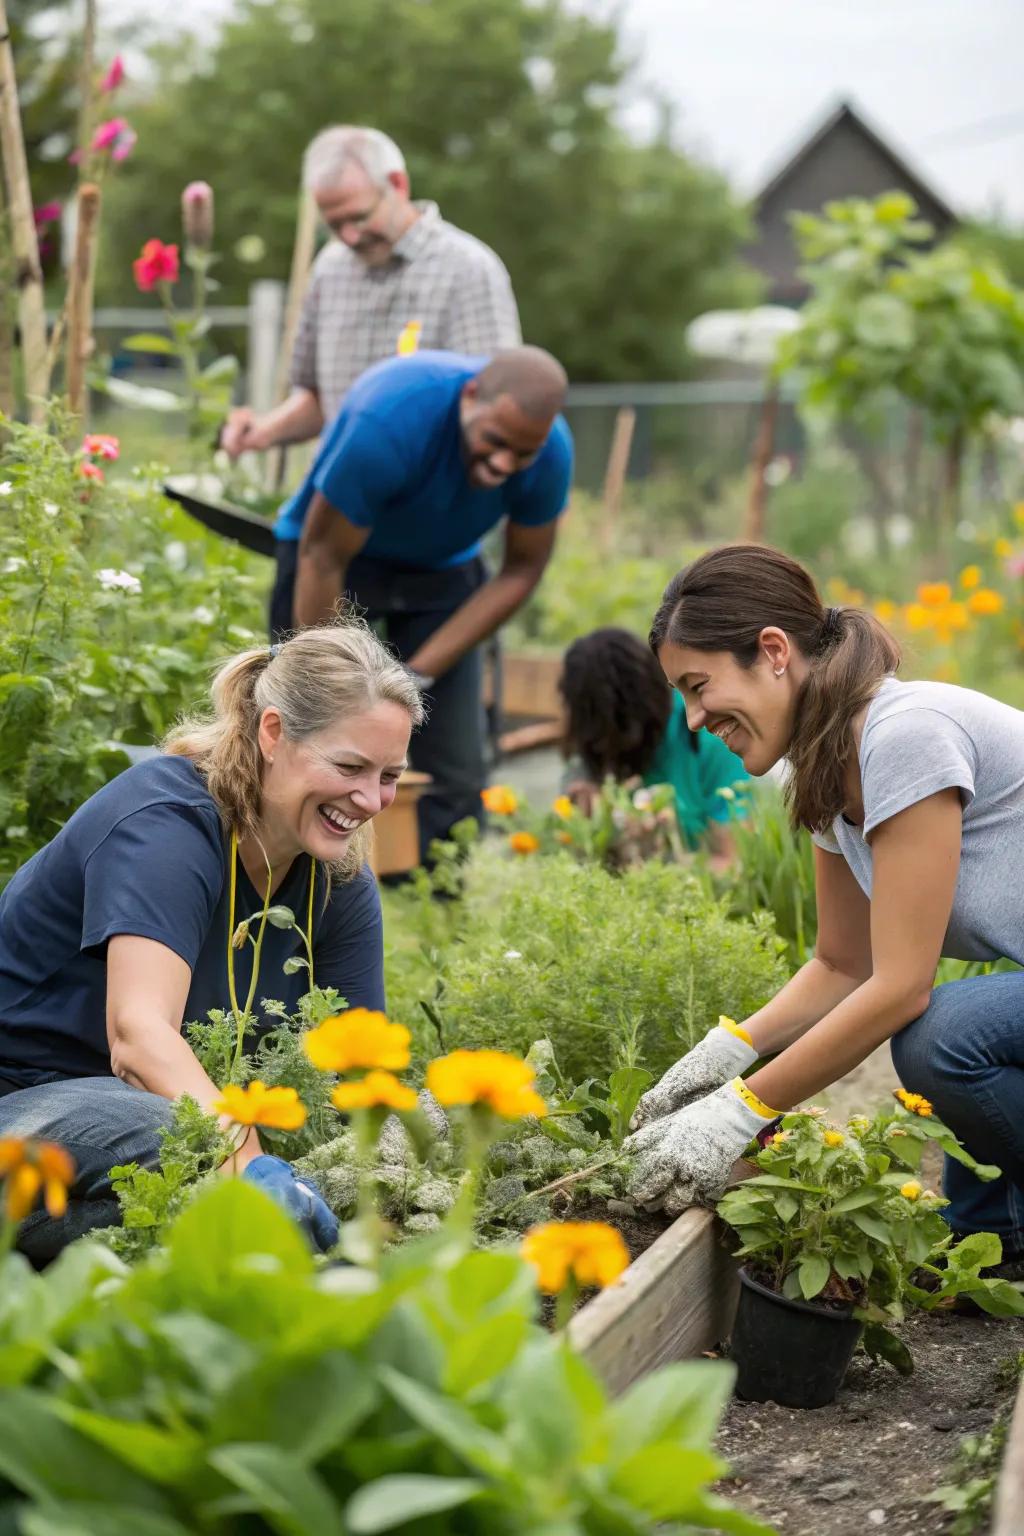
(868,1460)
(639,1229)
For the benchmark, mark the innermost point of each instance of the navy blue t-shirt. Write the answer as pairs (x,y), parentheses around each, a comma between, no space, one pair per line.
(391,461)
(147,855)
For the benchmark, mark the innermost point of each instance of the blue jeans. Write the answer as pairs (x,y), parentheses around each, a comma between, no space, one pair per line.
(102,1123)
(966,1055)
(406,605)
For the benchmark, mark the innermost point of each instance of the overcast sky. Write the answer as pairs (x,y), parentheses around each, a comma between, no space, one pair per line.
(941,79)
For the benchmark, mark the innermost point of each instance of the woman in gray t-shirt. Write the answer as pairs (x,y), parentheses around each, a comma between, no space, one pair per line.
(914,793)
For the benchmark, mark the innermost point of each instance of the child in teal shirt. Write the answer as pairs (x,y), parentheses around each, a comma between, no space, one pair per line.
(624,722)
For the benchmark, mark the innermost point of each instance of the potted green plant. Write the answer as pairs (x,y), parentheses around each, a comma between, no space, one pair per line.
(838,1238)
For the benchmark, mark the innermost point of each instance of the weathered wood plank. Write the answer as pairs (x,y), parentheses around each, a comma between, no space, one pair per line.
(675,1301)
(1009,1506)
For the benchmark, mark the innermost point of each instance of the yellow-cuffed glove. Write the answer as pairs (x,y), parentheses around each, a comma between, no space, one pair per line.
(724,1052)
(686,1157)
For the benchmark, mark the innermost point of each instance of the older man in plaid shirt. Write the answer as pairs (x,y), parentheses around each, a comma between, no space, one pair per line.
(397,277)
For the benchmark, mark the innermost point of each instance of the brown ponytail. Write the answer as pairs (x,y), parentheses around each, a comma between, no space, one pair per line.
(726,598)
(314,679)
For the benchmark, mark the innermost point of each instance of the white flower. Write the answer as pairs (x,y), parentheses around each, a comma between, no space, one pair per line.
(778,471)
(202,615)
(513,954)
(6,487)
(15,563)
(50,508)
(642,799)
(122,581)
(176,555)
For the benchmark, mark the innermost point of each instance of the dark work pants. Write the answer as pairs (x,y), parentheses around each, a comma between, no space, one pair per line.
(405,605)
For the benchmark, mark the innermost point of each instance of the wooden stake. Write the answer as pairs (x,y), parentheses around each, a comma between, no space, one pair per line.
(28,273)
(764,447)
(80,284)
(6,315)
(87,92)
(615,474)
(302,260)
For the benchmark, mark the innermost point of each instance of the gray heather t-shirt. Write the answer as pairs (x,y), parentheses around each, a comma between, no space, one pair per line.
(920,738)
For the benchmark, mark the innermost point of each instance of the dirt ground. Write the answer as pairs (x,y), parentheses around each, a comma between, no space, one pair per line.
(868,1461)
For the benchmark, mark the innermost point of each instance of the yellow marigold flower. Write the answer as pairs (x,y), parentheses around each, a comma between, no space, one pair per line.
(1002,549)
(523,842)
(28,1166)
(500,800)
(502,1082)
(910,1190)
(377,1090)
(885,610)
(833,1138)
(358,1038)
(590,1252)
(917,617)
(780,1136)
(563,807)
(934,594)
(279,1109)
(1018,514)
(985,602)
(970,577)
(915,1102)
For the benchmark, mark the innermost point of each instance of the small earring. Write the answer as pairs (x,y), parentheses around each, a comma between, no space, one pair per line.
(778,673)
(270,759)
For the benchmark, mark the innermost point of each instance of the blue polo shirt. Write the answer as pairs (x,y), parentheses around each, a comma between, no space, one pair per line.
(147,855)
(392,462)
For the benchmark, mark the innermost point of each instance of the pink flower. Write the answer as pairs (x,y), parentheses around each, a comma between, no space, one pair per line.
(49,213)
(197,214)
(1015,566)
(157,264)
(100,445)
(124,146)
(90,471)
(108,133)
(113,77)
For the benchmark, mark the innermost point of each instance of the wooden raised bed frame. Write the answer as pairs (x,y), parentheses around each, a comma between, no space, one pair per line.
(674,1302)
(1009,1505)
(396,837)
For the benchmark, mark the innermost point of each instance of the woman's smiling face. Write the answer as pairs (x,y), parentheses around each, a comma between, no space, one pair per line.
(750,709)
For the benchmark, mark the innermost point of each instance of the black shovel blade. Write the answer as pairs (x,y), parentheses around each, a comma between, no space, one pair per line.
(244,528)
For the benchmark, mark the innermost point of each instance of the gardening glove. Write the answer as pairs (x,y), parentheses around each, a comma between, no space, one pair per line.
(686,1158)
(721,1055)
(298,1198)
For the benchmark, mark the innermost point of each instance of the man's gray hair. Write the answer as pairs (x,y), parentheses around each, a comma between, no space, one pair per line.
(334,148)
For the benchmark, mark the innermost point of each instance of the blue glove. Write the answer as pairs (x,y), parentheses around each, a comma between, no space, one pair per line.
(298,1198)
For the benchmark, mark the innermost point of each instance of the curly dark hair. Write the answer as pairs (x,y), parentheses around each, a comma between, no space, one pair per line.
(618,704)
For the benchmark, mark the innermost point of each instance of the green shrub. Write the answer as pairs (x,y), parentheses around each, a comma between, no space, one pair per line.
(612,969)
(227,1386)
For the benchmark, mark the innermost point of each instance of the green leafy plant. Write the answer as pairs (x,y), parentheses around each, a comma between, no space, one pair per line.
(836,1217)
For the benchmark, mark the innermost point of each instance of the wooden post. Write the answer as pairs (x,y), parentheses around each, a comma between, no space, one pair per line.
(266,302)
(6,314)
(86,90)
(615,474)
(28,274)
(80,285)
(302,260)
(764,447)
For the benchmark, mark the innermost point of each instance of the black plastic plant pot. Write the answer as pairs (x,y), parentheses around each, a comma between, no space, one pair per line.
(789,1352)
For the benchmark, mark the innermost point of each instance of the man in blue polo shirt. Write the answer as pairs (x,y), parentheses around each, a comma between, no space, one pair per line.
(427,454)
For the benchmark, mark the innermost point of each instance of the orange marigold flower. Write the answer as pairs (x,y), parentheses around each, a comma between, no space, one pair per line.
(917,617)
(565,838)
(934,594)
(970,577)
(279,1109)
(495,1079)
(523,842)
(28,1166)
(985,602)
(590,1252)
(563,807)
(500,800)
(377,1090)
(358,1038)
(915,1102)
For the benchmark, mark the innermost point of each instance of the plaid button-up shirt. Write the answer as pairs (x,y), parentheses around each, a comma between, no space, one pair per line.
(449,282)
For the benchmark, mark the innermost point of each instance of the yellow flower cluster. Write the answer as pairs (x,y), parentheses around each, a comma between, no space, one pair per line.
(500,800)
(359,1038)
(279,1109)
(589,1252)
(27,1167)
(494,1079)
(377,1090)
(915,1102)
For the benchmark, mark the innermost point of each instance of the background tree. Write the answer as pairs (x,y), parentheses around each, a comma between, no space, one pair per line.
(506,113)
